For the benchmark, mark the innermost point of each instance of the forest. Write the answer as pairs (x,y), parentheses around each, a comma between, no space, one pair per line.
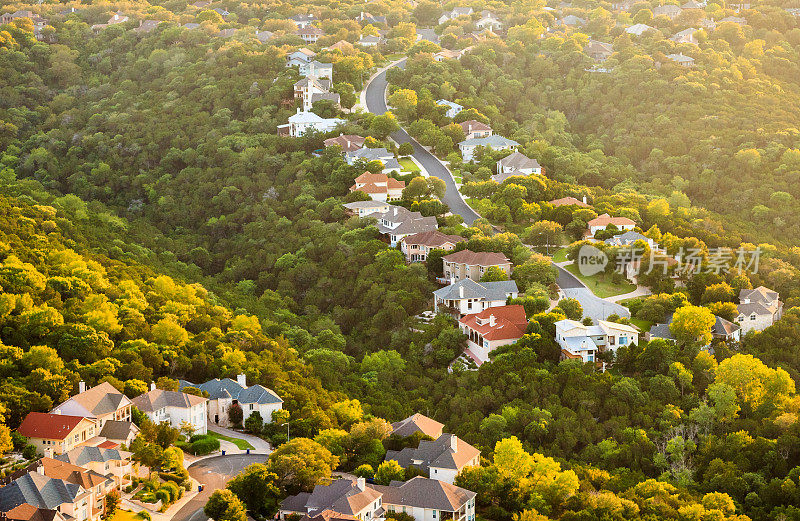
(154,226)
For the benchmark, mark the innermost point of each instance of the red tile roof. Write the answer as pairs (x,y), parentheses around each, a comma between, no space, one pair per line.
(498,323)
(479,258)
(48,426)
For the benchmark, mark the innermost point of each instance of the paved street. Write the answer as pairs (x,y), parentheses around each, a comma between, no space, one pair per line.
(213,473)
(258,444)
(376,103)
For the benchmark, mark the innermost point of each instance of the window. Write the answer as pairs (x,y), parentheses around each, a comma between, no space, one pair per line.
(251,406)
(434,513)
(623,340)
(753,316)
(611,340)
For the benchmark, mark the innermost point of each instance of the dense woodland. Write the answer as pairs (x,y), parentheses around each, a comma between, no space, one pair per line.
(154,226)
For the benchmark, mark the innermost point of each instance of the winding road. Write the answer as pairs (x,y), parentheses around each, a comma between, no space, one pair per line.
(375,99)
(375,94)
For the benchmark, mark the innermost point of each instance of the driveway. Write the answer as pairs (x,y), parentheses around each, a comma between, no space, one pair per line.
(258,444)
(375,97)
(213,473)
(593,306)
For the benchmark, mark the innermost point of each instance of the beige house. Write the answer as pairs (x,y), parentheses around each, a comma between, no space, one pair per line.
(416,247)
(100,403)
(57,433)
(36,490)
(466,264)
(112,463)
(604,221)
(758,309)
(475,129)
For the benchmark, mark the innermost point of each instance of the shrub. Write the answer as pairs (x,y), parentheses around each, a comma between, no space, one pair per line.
(162,495)
(29,452)
(204,446)
(145,515)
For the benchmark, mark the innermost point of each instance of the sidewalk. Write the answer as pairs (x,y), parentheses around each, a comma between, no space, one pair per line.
(640,291)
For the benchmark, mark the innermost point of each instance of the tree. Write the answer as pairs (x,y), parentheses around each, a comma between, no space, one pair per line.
(389,471)
(571,308)
(536,270)
(254,422)
(404,101)
(692,325)
(112,503)
(405,149)
(223,505)
(256,487)
(494,273)
(235,414)
(302,463)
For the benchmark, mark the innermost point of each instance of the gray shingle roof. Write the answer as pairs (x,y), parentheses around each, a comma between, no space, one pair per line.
(496,290)
(345,496)
(159,398)
(490,141)
(39,491)
(117,430)
(80,456)
(518,161)
(437,453)
(425,493)
(227,388)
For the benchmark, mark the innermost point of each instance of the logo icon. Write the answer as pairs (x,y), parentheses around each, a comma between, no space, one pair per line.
(591,260)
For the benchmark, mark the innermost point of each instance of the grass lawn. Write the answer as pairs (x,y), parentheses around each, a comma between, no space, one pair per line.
(560,255)
(408,165)
(126,515)
(240,443)
(644,325)
(601,284)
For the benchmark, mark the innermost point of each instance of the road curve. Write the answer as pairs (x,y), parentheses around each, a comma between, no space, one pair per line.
(375,94)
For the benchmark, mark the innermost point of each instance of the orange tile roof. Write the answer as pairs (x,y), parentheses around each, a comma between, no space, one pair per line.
(567,201)
(510,322)
(48,426)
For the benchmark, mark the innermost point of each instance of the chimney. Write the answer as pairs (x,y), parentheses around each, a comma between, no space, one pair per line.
(40,468)
(584,199)
(461,291)
(361,483)
(57,411)
(241,379)
(152,386)
(81,387)
(298,110)
(454,442)
(491,320)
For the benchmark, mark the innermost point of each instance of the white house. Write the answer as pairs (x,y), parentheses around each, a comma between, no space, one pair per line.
(299,58)
(428,500)
(176,408)
(442,459)
(682,60)
(101,403)
(516,164)
(303,122)
(369,41)
(302,20)
(348,497)
(629,238)
(494,142)
(452,108)
(467,296)
(582,342)
(758,309)
(365,208)
(475,129)
(390,162)
(488,20)
(604,221)
(399,222)
(222,394)
(638,29)
(455,13)
(685,36)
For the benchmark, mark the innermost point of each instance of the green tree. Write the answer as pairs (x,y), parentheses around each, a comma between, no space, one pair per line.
(302,462)
(692,325)
(389,471)
(257,488)
(223,505)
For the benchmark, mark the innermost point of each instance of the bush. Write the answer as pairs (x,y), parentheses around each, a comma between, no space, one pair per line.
(145,515)
(365,471)
(204,446)
(162,495)
(29,452)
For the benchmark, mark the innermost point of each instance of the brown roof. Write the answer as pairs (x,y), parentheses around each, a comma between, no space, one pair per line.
(70,473)
(348,142)
(101,399)
(311,30)
(479,258)
(417,423)
(474,126)
(605,220)
(568,201)
(425,493)
(49,426)
(26,512)
(433,239)
(509,322)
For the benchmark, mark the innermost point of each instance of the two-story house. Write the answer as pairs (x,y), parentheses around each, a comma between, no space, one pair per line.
(70,500)
(176,408)
(417,423)
(57,433)
(604,221)
(467,296)
(416,247)
(442,459)
(346,496)
(475,129)
(468,147)
(113,463)
(583,342)
(367,208)
(492,328)
(400,222)
(758,309)
(222,394)
(428,500)
(379,187)
(453,108)
(467,264)
(101,403)
(516,164)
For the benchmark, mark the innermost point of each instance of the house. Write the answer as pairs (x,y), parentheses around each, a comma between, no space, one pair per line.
(598,51)
(670,11)
(416,247)
(222,394)
(72,501)
(310,34)
(685,36)
(390,163)
(178,409)
(191,26)
(442,459)
(303,122)
(369,41)
(722,330)
(428,35)
(121,432)
(365,208)
(475,129)
(623,5)
(57,433)
(342,46)
(452,108)
(488,20)
(202,4)
(264,36)
(146,26)
(457,12)
(604,221)
(582,342)
(569,201)
(682,60)
(116,18)
(417,423)
(638,29)
(225,33)
(492,328)
(299,58)
(692,4)
(516,164)
(110,462)
(100,403)
(308,89)
(322,71)
(26,512)
(466,264)
(758,309)
(371,19)
(734,20)
(399,222)
(224,13)
(7,18)
(739,6)
(794,11)
(571,21)
(494,142)
(302,20)
(447,54)
(379,187)
(348,142)
(428,500)
(629,238)
(467,296)
(346,496)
